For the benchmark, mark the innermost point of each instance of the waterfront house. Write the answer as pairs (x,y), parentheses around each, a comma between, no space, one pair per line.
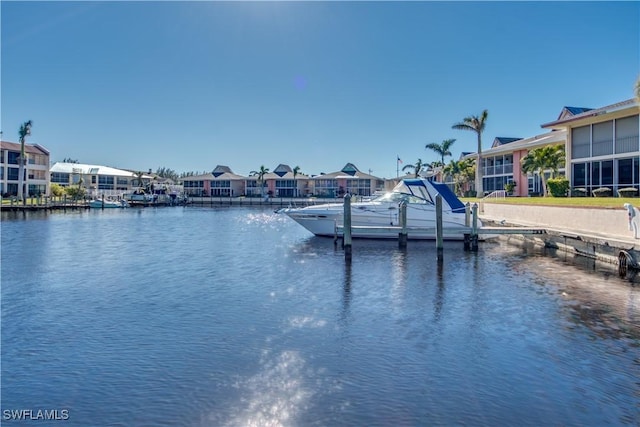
(98,180)
(282,182)
(221,182)
(36,177)
(347,180)
(502,163)
(602,146)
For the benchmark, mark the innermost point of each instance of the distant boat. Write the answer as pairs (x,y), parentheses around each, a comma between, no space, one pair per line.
(384,211)
(108,204)
(140,198)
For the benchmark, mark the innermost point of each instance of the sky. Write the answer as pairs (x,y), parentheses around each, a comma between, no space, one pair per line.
(192,85)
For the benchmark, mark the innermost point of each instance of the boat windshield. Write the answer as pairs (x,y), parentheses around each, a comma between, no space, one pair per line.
(409,193)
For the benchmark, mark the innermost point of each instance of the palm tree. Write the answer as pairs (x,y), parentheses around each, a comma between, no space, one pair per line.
(477,125)
(296,171)
(260,174)
(433,166)
(638,89)
(416,168)
(441,149)
(461,172)
(139,176)
(453,169)
(23,132)
(541,159)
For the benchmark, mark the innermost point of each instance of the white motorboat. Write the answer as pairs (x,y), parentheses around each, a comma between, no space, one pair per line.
(107,203)
(380,217)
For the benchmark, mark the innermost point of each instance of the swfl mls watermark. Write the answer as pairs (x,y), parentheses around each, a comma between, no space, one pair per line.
(35,414)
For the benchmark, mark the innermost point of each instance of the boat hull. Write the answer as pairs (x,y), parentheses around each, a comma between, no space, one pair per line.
(379,218)
(107,204)
(378,222)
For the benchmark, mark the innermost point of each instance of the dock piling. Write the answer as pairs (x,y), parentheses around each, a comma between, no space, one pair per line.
(474,228)
(402,237)
(346,239)
(439,231)
(467,223)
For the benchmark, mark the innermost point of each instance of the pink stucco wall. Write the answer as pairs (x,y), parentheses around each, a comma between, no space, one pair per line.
(522,187)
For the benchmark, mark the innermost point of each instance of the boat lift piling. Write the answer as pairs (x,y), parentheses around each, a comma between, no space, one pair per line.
(346,237)
(402,236)
(467,223)
(474,228)
(470,232)
(439,231)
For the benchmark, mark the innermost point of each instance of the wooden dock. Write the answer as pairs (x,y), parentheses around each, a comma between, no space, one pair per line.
(469,234)
(459,231)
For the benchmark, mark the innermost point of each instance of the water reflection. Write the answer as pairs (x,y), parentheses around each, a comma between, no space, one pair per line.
(346,295)
(398,276)
(439,296)
(589,289)
(275,396)
(236,317)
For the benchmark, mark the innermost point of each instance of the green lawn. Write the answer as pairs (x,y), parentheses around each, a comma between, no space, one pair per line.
(602,202)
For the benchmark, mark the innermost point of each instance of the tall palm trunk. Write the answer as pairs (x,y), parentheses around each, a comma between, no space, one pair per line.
(479,189)
(23,132)
(21,167)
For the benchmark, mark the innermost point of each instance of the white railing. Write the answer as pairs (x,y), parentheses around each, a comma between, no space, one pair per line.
(498,194)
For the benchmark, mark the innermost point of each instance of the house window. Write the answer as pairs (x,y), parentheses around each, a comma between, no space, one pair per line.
(627,134)
(13,157)
(37,174)
(595,174)
(105,182)
(12,174)
(580,142)
(625,171)
(221,184)
(579,174)
(602,139)
(37,189)
(607,172)
(60,178)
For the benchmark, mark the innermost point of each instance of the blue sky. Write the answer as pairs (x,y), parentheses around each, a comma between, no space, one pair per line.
(191,85)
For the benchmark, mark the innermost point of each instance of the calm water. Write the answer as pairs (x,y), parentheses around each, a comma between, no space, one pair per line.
(239,317)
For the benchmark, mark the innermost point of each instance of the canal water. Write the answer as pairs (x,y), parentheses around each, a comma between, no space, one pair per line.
(239,317)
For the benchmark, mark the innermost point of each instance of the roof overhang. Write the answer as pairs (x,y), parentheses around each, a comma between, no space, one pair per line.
(621,109)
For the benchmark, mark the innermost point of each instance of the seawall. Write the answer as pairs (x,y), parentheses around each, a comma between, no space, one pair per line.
(601,233)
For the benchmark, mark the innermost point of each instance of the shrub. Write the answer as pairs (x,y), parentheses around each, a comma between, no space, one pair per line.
(558,187)
(628,192)
(510,186)
(602,192)
(57,190)
(75,193)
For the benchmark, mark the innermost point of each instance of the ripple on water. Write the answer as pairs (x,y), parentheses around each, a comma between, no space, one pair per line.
(233,316)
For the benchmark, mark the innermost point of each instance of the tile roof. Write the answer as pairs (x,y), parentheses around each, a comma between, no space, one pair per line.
(549,138)
(28,148)
(574,110)
(593,112)
(86,169)
(501,140)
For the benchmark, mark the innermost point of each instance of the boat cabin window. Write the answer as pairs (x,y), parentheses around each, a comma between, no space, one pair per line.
(401,197)
(421,192)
